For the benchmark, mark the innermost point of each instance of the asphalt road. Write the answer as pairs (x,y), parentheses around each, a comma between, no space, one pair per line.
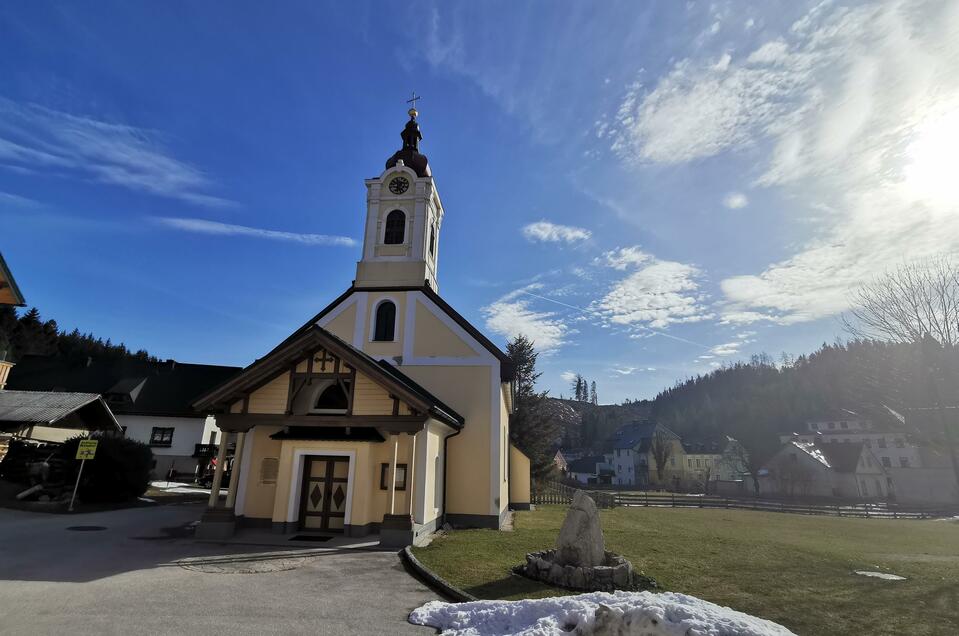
(137,578)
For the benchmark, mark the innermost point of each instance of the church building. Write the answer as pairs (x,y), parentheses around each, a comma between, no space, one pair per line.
(387,412)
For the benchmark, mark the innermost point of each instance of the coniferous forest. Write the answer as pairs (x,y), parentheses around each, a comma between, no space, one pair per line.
(30,334)
(755,401)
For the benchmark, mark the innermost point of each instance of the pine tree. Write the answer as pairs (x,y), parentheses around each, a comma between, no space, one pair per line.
(537,424)
(593,398)
(31,335)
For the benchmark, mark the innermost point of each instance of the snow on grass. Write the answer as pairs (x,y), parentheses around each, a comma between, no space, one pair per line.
(881,575)
(179,488)
(626,613)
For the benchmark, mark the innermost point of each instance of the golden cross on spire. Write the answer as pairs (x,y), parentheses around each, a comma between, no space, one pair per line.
(412,102)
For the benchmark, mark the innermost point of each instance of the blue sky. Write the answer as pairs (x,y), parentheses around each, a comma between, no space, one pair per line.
(647,189)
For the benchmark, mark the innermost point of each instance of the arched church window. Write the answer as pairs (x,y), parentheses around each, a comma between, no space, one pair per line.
(395,228)
(385,322)
(332,398)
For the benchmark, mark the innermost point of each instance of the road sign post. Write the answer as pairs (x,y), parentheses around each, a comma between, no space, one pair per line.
(87,449)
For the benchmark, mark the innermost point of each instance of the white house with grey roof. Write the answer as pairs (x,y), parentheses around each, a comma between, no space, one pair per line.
(150,399)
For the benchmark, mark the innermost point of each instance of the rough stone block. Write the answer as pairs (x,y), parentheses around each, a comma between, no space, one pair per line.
(580,540)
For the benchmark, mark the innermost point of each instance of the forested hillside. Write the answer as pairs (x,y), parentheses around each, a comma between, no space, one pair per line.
(596,423)
(30,334)
(755,401)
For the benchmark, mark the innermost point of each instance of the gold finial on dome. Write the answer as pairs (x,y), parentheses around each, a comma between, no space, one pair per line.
(412,112)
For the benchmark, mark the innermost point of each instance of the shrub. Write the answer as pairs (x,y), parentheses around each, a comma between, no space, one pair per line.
(120,471)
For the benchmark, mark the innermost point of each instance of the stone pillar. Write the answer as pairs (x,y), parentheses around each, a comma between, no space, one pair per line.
(396,447)
(218,473)
(219,523)
(396,531)
(410,472)
(235,473)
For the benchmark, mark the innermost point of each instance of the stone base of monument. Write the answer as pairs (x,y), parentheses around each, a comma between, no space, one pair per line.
(616,573)
(580,560)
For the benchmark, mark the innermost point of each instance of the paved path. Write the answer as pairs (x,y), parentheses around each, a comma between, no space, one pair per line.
(134,577)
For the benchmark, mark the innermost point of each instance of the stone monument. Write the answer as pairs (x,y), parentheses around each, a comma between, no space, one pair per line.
(580,560)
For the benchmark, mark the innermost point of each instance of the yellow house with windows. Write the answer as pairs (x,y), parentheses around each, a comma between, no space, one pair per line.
(387,412)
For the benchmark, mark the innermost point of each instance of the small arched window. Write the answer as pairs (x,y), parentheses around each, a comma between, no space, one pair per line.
(395,228)
(332,398)
(385,322)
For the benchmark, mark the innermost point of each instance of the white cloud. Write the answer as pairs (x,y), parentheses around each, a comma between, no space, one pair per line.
(735,200)
(38,139)
(655,295)
(512,315)
(625,257)
(202,226)
(568,376)
(859,110)
(630,370)
(726,349)
(554,233)
(7,198)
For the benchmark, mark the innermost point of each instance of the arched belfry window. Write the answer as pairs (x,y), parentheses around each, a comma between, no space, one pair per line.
(385,327)
(395,228)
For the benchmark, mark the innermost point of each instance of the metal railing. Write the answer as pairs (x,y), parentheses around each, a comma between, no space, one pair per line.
(210,450)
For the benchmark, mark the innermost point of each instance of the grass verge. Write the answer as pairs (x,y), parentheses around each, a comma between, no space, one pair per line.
(793,569)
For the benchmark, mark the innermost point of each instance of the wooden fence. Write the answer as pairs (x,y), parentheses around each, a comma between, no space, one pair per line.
(554,493)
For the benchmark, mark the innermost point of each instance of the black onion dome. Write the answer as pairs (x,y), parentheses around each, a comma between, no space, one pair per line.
(410,153)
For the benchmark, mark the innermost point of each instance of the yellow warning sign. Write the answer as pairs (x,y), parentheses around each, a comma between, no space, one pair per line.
(87,449)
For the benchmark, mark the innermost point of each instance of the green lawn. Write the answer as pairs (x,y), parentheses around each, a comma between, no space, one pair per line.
(792,569)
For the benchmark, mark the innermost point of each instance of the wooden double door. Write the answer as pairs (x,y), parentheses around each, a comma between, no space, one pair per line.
(325,485)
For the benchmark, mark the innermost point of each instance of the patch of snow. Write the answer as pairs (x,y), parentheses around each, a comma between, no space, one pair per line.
(146,499)
(180,488)
(626,613)
(811,449)
(881,575)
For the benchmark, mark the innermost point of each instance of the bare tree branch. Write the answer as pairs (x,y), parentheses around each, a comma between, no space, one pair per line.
(908,302)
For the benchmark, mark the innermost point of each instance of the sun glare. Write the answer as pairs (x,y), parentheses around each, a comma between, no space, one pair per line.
(932,172)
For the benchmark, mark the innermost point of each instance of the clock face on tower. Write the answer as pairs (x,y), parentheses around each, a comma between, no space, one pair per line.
(399,185)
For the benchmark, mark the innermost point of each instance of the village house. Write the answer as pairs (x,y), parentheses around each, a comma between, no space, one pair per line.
(634,455)
(891,446)
(822,469)
(559,460)
(152,402)
(592,469)
(702,460)
(9,295)
(386,412)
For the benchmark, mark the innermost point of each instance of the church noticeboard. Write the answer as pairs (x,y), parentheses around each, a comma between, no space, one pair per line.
(87,449)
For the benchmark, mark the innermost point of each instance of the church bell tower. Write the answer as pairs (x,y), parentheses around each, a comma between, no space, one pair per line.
(403,219)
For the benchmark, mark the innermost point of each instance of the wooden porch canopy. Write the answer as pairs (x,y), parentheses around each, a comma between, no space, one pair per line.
(284,360)
(9,292)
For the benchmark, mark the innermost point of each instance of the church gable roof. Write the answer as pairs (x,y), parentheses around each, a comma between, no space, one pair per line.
(507,372)
(305,342)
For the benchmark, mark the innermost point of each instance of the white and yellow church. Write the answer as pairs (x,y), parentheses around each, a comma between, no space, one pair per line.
(387,412)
